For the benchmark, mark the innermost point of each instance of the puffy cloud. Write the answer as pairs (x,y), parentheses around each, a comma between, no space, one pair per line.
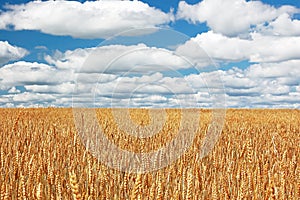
(135,101)
(288,69)
(236,79)
(91,19)
(119,59)
(231,17)
(145,85)
(64,88)
(10,53)
(291,100)
(13,90)
(27,99)
(32,98)
(217,46)
(155,90)
(259,85)
(265,101)
(274,48)
(282,26)
(273,85)
(24,73)
(258,48)
(69,59)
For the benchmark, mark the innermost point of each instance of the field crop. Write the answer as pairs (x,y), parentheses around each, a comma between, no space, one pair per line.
(257,156)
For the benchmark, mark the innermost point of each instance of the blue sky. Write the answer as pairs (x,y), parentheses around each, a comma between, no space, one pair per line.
(208,53)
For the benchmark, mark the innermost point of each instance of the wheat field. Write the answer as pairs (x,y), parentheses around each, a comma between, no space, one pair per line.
(256,157)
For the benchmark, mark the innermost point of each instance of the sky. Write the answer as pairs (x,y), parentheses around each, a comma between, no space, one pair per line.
(209,53)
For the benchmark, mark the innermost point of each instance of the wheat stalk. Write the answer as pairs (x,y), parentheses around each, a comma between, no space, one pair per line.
(74,186)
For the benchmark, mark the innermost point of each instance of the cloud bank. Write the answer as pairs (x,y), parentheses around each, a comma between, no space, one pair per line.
(265,84)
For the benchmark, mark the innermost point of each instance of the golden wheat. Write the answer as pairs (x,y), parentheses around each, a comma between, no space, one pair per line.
(257,156)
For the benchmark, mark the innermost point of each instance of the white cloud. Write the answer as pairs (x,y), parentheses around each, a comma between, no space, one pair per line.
(284,25)
(69,59)
(274,48)
(64,88)
(217,46)
(10,53)
(231,17)
(292,99)
(30,97)
(93,78)
(258,48)
(23,73)
(236,79)
(259,85)
(273,85)
(288,69)
(13,90)
(147,84)
(153,90)
(266,101)
(26,99)
(43,48)
(91,19)
(119,59)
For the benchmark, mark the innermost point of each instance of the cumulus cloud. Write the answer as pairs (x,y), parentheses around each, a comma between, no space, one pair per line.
(91,19)
(33,98)
(274,49)
(273,84)
(282,26)
(27,99)
(119,59)
(10,53)
(149,91)
(258,48)
(287,69)
(13,90)
(153,84)
(69,59)
(64,88)
(217,46)
(23,73)
(231,17)
(259,85)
